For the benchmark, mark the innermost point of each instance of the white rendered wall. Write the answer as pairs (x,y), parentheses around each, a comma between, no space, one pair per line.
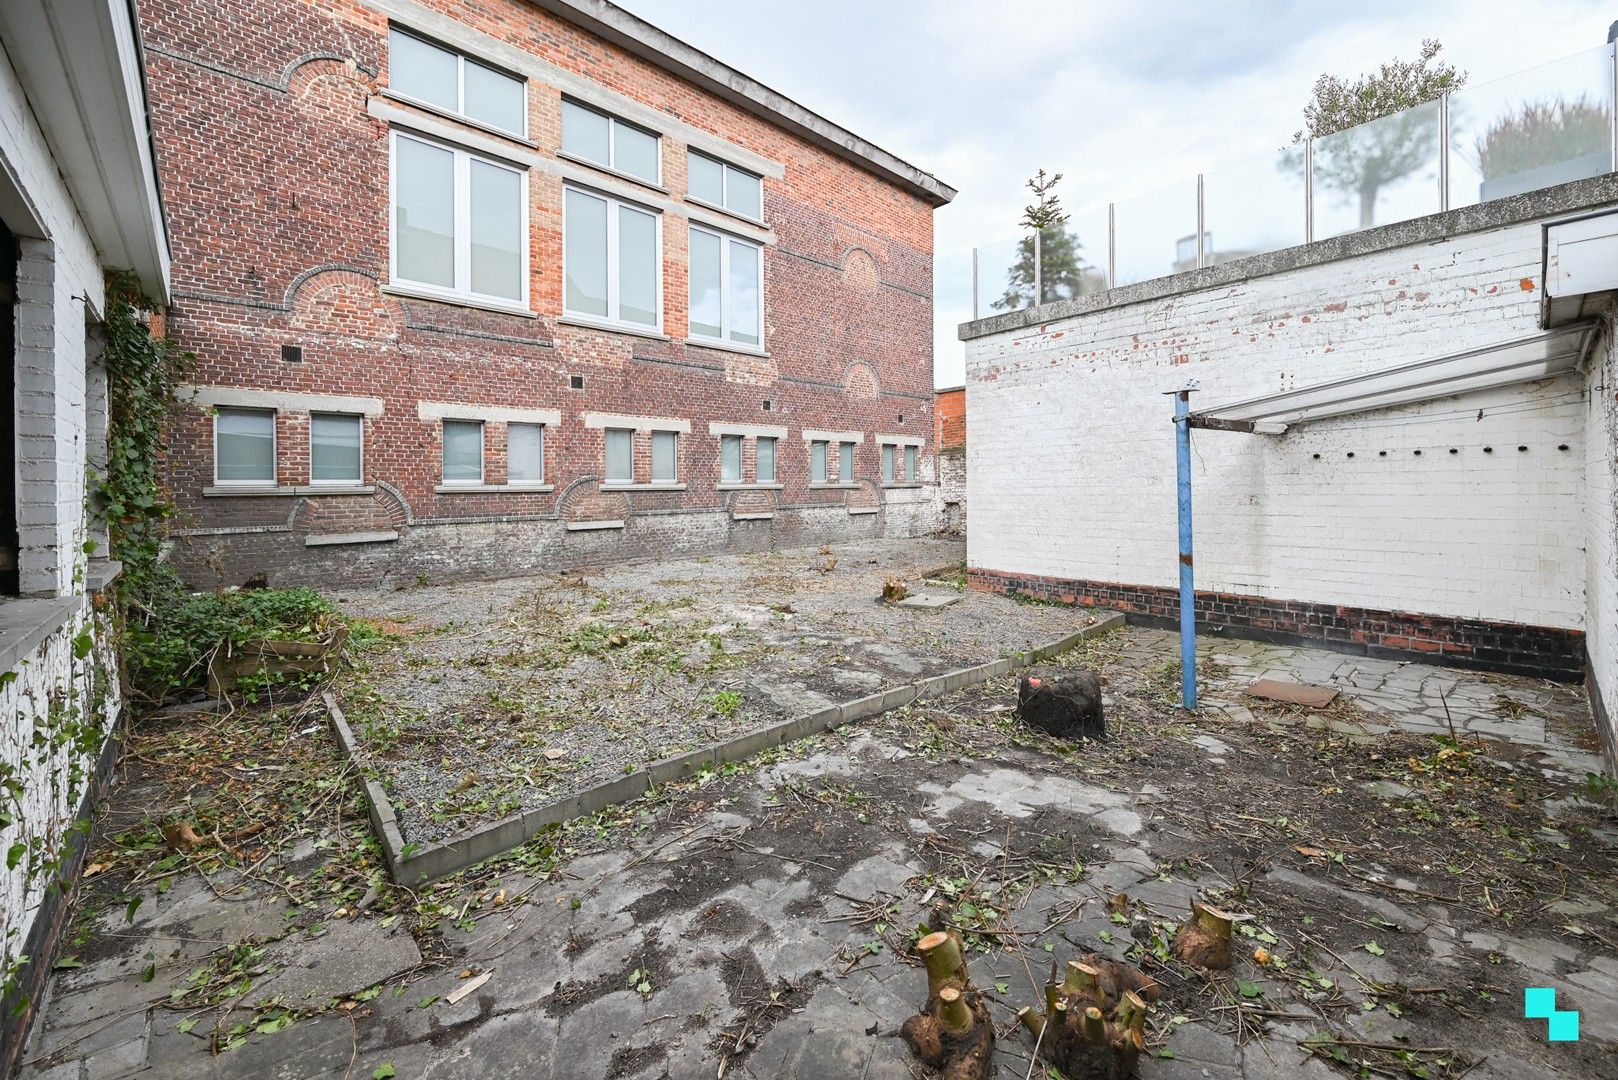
(1070,455)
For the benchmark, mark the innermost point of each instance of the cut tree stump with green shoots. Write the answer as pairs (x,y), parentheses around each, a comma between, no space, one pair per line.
(1093,1026)
(953,1032)
(1203,940)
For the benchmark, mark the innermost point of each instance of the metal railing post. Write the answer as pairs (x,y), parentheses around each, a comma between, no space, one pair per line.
(1309,191)
(1112,246)
(975,283)
(1188,591)
(1039,273)
(1202,252)
(1612,111)
(1443,152)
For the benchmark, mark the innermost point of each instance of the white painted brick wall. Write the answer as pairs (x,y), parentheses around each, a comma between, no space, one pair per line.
(1070,458)
(60,284)
(1601,524)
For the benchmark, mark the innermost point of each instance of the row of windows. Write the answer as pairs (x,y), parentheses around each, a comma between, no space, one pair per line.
(460,220)
(245,453)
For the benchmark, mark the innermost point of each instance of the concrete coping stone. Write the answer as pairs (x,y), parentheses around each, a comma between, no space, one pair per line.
(592,526)
(416,864)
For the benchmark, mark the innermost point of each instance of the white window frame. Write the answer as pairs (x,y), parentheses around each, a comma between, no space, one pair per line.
(544,450)
(724,337)
(611,164)
(275,449)
(483,452)
(726,168)
(360,479)
(611,319)
(463,225)
(462,60)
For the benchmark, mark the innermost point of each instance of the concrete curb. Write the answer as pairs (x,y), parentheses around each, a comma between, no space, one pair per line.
(432,861)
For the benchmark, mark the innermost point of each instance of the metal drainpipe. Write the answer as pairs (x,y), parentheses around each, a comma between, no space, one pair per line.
(1188,595)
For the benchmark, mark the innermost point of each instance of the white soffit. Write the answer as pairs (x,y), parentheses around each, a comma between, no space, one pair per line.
(1507,363)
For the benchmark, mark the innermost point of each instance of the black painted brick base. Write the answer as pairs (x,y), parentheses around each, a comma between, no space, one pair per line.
(1514,648)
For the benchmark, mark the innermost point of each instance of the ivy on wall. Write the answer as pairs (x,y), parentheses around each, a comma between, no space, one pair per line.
(144,376)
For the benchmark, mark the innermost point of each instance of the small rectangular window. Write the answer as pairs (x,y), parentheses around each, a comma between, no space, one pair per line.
(726,288)
(817,462)
(444,79)
(244,446)
(911,454)
(525,453)
(459,221)
(887,464)
(665,457)
(611,260)
(730,459)
(845,463)
(606,140)
(764,466)
(335,448)
(463,452)
(620,456)
(720,184)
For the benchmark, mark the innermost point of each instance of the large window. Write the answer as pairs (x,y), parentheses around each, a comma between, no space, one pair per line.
(463,452)
(525,453)
(887,463)
(244,446)
(335,448)
(727,283)
(620,456)
(444,79)
(845,463)
(911,454)
(460,222)
(612,255)
(610,142)
(718,184)
(730,459)
(817,462)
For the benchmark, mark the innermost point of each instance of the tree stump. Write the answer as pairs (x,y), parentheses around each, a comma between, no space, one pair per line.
(1063,703)
(1094,1019)
(953,1032)
(1203,940)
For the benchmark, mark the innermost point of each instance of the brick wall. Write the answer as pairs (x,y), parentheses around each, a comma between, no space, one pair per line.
(272,131)
(949,435)
(1430,510)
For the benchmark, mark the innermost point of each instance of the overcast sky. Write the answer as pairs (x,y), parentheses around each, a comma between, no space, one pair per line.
(1122,98)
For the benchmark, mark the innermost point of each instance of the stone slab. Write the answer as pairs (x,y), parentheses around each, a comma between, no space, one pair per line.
(930,601)
(1290,693)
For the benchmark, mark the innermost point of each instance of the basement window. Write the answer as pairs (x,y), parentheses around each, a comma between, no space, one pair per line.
(620,456)
(460,223)
(335,448)
(612,143)
(764,462)
(428,73)
(463,452)
(727,288)
(244,447)
(730,459)
(525,453)
(722,185)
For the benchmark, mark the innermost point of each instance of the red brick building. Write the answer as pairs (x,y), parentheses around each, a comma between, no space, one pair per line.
(498,287)
(949,444)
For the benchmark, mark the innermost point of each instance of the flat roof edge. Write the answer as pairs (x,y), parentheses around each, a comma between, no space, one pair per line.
(1575,196)
(630,32)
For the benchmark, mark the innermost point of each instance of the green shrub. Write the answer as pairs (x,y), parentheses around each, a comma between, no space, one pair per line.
(172,633)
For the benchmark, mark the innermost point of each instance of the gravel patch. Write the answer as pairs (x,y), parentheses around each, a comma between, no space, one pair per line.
(484,699)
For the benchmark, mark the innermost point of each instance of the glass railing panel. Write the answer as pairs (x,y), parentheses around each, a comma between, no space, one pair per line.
(1532,130)
(1254,207)
(1156,234)
(1005,280)
(1073,257)
(1377,173)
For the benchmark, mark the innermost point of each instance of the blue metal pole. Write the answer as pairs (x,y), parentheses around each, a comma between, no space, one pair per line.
(1188,595)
